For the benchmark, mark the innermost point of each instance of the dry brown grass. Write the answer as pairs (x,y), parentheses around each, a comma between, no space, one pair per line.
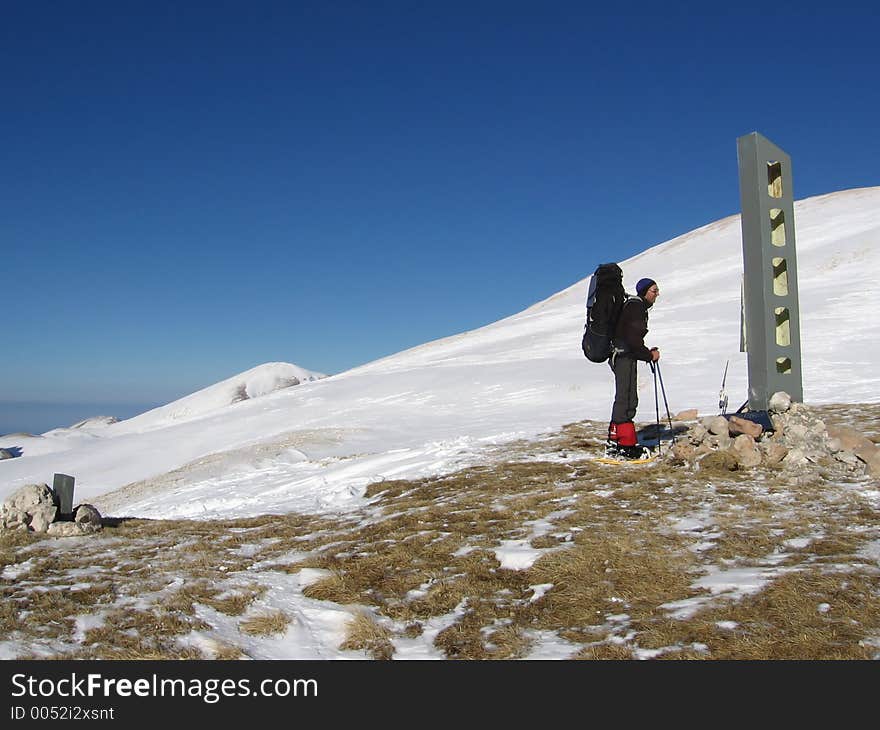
(785,621)
(136,634)
(226,652)
(262,624)
(613,652)
(235,604)
(332,588)
(363,633)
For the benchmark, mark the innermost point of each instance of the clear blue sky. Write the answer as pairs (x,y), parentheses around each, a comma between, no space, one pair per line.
(191,189)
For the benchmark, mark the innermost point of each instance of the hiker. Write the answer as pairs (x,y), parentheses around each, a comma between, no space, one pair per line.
(629,347)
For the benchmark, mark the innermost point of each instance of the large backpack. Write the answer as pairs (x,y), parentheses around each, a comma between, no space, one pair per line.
(605,298)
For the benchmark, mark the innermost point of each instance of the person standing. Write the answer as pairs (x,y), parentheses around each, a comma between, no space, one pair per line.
(629,348)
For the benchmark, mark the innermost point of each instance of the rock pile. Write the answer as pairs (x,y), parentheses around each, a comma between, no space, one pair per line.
(797,439)
(34,507)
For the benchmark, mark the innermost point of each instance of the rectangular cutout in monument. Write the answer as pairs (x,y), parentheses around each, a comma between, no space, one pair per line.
(783,327)
(783,365)
(777,227)
(780,277)
(774,179)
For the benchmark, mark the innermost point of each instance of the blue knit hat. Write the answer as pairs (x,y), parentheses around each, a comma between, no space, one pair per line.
(643,286)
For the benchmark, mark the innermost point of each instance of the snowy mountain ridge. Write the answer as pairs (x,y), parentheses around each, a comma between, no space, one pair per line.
(251,384)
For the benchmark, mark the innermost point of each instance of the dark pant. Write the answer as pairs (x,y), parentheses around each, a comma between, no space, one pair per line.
(626,397)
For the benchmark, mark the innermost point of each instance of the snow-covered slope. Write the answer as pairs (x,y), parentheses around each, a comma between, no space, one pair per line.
(432,408)
(253,383)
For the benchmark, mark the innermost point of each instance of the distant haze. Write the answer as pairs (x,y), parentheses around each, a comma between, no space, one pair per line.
(35,417)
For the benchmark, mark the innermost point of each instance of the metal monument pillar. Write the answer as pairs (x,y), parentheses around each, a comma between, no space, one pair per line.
(771,315)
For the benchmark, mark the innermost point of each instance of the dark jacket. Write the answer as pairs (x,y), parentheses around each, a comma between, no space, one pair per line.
(629,337)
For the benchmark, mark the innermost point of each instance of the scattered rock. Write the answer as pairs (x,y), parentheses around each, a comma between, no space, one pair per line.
(33,506)
(739,425)
(848,438)
(871,456)
(795,458)
(774,452)
(42,517)
(688,415)
(779,402)
(697,434)
(817,428)
(745,451)
(796,432)
(30,495)
(778,425)
(848,458)
(4,454)
(721,441)
(744,442)
(88,518)
(12,519)
(747,457)
(716,425)
(65,529)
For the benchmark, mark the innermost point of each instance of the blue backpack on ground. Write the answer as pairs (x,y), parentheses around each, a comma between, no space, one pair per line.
(605,299)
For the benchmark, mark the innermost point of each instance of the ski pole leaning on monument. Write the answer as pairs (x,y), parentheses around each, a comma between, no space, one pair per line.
(722,396)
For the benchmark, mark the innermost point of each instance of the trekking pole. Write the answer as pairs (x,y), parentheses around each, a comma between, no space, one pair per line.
(664,400)
(656,406)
